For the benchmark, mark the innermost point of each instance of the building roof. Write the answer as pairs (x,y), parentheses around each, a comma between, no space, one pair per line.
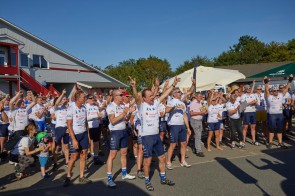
(60,51)
(253,69)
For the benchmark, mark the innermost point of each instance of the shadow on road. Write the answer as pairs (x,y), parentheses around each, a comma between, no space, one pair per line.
(95,188)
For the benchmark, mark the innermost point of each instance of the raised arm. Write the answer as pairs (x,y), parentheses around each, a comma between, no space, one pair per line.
(30,93)
(4,117)
(253,87)
(134,90)
(290,79)
(168,91)
(13,100)
(266,84)
(59,99)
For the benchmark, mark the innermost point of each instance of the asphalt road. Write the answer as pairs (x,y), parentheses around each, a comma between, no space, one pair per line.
(255,171)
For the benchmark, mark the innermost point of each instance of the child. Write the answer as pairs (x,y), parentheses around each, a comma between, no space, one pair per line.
(42,139)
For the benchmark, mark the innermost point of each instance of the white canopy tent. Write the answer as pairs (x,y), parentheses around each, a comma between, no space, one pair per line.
(207,78)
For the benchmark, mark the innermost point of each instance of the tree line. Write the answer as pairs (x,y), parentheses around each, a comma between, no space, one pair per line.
(248,50)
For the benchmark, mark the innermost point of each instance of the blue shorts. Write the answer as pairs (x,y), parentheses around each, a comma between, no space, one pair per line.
(163,126)
(94,134)
(152,143)
(43,161)
(249,117)
(41,125)
(4,130)
(177,131)
(61,134)
(276,122)
(119,139)
(83,142)
(213,126)
(139,139)
(52,126)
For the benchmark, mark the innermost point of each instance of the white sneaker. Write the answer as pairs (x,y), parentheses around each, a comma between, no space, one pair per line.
(128,177)
(12,163)
(185,164)
(169,166)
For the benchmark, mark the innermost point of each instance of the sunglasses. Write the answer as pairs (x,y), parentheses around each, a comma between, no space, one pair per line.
(119,95)
(99,96)
(178,92)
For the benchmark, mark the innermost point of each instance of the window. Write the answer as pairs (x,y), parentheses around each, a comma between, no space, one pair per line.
(13,59)
(24,60)
(2,57)
(39,61)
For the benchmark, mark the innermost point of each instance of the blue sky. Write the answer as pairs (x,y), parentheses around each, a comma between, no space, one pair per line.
(107,32)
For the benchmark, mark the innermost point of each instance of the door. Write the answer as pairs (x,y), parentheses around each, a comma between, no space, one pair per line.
(3,56)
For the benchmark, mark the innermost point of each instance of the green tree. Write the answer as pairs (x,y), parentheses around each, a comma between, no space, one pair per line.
(276,52)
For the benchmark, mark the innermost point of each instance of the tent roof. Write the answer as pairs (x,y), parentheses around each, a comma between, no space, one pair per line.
(280,71)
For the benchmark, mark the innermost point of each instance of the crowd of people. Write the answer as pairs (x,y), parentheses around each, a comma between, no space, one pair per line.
(145,124)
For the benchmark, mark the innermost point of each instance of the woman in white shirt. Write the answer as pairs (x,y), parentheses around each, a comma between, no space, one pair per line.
(22,151)
(213,122)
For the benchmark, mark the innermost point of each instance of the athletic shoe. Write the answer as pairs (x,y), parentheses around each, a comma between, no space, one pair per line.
(200,154)
(19,176)
(169,166)
(269,146)
(111,184)
(128,177)
(140,175)
(66,165)
(149,186)
(242,146)
(46,175)
(84,180)
(185,164)
(168,182)
(255,143)
(12,163)
(54,168)
(67,182)
(233,146)
(282,145)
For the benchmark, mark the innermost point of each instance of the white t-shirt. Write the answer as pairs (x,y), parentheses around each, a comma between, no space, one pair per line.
(78,115)
(51,111)
(261,103)
(249,98)
(149,117)
(21,118)
(176,115)
(61,116)
(286,98)
(100,104)
(39,108)
(19,148)
(233,106)
(117,110)
(162,108)
(275,104)
(213,111)
(92,116)
(221,109)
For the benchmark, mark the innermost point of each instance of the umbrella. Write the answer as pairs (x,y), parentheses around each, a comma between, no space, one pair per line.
(207,78)
(280,71)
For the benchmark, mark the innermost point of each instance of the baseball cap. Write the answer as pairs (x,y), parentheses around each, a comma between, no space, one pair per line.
(247,86)
(126,94)
(275,88)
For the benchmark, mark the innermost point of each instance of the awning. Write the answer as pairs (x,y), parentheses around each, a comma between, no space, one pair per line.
(100,84)
(280,71)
